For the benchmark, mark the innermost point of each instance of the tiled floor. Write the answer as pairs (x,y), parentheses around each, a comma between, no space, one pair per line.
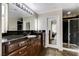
(55,52)
(71,46)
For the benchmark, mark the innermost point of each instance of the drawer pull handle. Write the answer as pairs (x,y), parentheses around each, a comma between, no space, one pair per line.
(20,52)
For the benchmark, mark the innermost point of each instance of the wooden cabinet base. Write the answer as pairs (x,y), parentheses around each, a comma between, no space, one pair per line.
(30,47)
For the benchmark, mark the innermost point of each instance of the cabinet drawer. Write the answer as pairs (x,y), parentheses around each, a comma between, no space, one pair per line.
(12,47)
(22,51)
(22,43)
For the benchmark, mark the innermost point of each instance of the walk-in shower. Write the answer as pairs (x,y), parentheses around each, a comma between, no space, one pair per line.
(71,33)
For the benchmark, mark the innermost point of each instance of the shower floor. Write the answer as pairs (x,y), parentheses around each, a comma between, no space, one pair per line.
(71,46)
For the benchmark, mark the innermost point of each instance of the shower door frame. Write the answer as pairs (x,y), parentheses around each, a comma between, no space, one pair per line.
(69,34)
(69,49)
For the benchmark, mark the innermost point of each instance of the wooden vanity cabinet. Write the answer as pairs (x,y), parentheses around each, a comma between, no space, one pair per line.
(27,47)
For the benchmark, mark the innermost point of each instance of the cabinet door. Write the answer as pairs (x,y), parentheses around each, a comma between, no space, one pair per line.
(33,52)
(29,51)
(35,48)
(38,45)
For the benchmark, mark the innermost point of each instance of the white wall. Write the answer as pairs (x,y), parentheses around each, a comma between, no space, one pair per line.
(12,18)
(0,31)
(12,22)
(42,25)
(4,17)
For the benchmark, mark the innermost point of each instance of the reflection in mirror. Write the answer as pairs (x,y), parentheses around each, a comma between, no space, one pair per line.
(20,24)
(27,25)
(19,20)
(52,31)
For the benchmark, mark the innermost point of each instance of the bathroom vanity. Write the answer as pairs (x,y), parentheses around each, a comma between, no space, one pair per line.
(18,41)
(22,46)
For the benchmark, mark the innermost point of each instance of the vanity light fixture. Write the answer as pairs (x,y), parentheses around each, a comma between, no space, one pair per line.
(23,7)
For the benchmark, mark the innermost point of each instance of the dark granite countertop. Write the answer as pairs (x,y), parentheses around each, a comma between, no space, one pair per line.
(15,37)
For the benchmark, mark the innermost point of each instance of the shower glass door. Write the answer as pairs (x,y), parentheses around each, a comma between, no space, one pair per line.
(74,34)
(71,34)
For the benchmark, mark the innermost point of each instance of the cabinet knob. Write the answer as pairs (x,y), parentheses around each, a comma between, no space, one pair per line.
(20,52)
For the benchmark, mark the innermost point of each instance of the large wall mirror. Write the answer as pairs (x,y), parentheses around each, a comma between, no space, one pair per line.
(52,26)
(18,19)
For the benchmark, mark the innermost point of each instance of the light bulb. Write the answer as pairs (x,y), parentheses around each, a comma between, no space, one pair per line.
(68,12)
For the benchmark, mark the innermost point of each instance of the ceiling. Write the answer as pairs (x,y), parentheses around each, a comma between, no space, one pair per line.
(46,7)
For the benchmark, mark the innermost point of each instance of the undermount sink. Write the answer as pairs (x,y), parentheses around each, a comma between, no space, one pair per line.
(31,36)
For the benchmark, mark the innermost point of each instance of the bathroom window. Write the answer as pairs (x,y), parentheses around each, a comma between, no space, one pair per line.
(4,17)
